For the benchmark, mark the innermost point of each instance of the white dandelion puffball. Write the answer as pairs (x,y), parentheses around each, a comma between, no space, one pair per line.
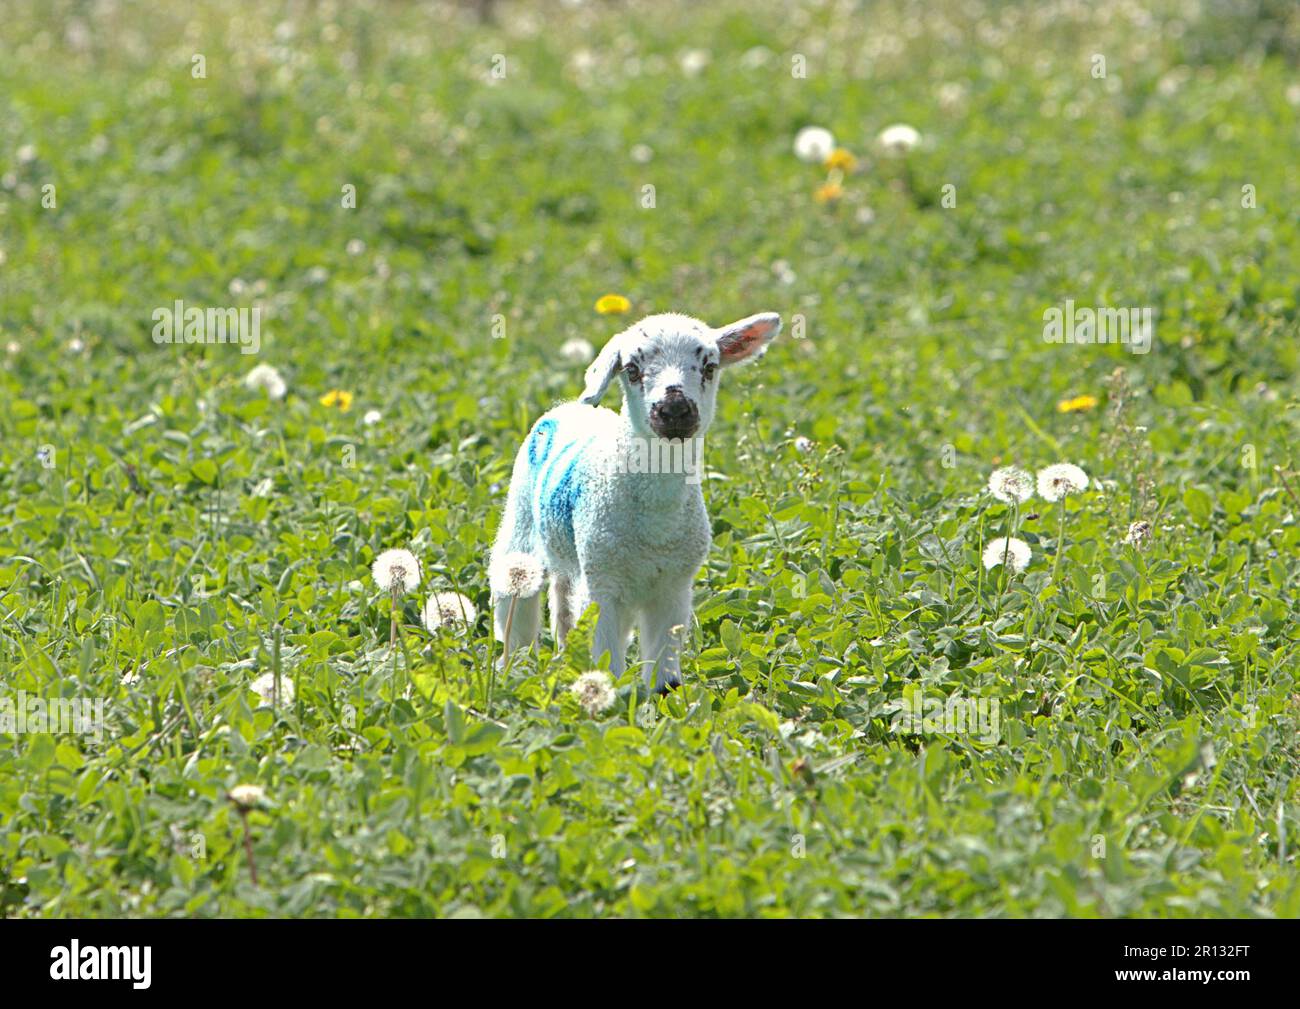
(371,418)
(446,609)
(1015,552)
(899,139)
(577,351)
(693,62)
(396,569)
(814,145)
(267,378)
(594,691)
(247,796)
(1011,484)
(517,574)
(264,687)
(1060,479)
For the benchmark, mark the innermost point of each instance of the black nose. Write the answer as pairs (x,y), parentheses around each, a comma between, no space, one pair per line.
(675,416)
(676,408)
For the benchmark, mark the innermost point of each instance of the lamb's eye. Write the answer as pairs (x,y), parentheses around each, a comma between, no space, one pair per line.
(709,371)
(633,373)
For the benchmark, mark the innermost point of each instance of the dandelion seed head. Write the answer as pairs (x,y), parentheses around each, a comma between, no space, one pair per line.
(899,138)
(264,687)
(247,796)
(446,609)
(1014,552)
(267,378)
(594,691)
(1011,484)
(693,62)
(1060,479)
(516,574)
(396,569)
(814,144)
(577,351)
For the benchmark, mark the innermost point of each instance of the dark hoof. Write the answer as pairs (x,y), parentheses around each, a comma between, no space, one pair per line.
(668,687)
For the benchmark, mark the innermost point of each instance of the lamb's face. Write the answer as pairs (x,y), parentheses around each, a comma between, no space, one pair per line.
(669,367)
(669,374)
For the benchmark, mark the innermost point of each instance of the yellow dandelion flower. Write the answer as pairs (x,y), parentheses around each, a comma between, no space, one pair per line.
(841,159)
(828,192)
(1076,404)
(612,304)
(337,397)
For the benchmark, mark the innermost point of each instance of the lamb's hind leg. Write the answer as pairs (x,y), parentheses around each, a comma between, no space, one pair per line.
(516,535)
(559,598)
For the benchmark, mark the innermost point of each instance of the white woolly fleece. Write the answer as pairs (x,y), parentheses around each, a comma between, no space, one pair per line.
(610,503)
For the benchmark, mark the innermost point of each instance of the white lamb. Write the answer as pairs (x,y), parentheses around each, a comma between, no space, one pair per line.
(610,503)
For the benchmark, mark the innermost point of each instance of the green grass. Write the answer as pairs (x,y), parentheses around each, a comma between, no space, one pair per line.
(191,536)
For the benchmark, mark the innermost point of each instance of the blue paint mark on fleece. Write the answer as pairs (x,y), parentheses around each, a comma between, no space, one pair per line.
(557,494)
(540,442)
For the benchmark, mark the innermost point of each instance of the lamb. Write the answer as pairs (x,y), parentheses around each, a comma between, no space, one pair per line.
(610,504)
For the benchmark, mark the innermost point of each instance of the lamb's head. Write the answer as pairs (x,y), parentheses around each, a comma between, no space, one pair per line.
(669,364)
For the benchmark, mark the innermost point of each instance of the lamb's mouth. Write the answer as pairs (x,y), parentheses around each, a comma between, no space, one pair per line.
(678,432)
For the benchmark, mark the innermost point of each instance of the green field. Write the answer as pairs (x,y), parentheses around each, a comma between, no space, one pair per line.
(425,205)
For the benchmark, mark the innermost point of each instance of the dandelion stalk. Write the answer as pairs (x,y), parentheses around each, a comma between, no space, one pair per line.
(1060,541)
(516,575)
(1056,483)
(448,610)
(275,665)
(248,845)
(1013,556)
(1010,485)
(246,797)
(396,572)
(1286,484)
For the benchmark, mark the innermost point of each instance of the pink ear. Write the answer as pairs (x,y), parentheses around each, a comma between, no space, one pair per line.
(748,338)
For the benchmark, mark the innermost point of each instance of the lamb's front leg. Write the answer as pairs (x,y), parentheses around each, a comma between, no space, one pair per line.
(612,626)
(665,621)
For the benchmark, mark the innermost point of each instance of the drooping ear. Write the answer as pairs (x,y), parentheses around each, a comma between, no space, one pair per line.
(746,339)
(602,370)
